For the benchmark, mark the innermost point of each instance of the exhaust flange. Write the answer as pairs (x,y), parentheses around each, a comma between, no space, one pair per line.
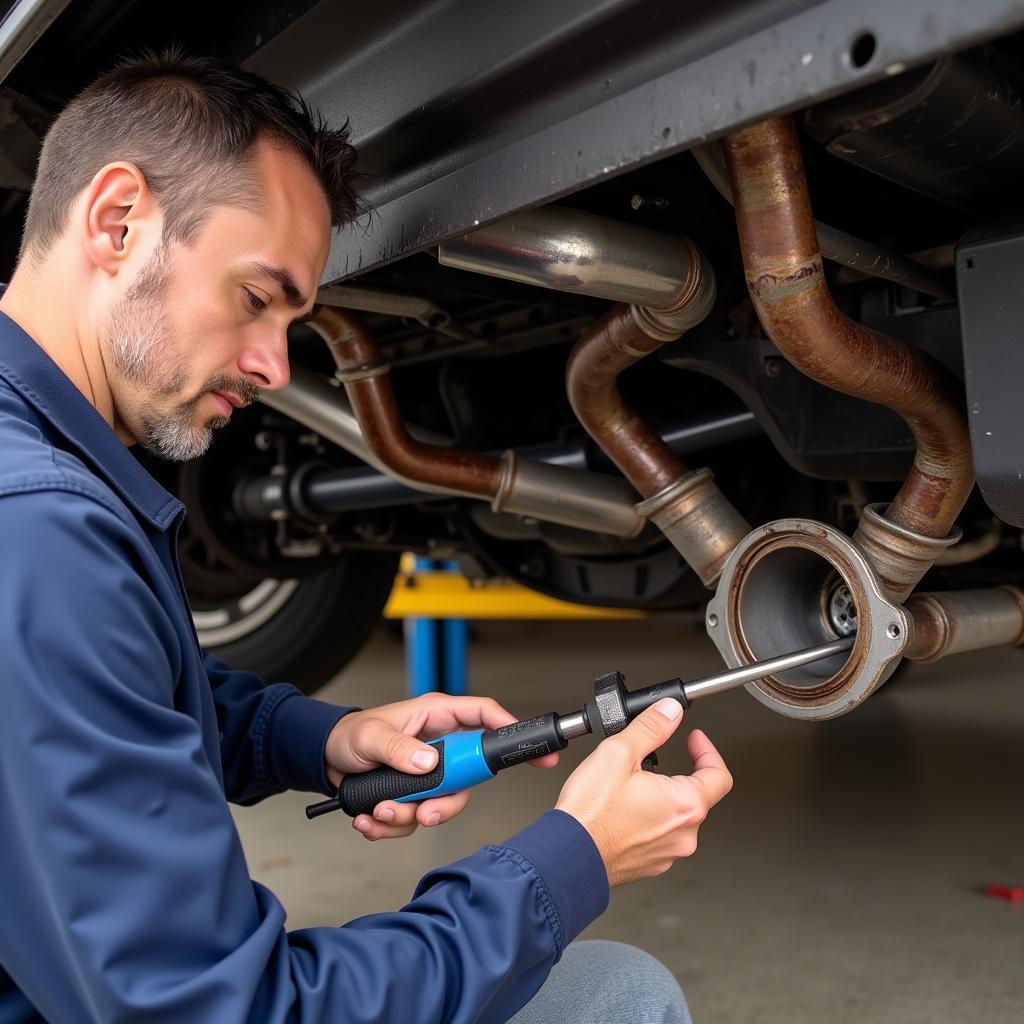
(797,583)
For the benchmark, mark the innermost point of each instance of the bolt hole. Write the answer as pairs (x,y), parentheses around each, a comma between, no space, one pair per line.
(893,632)
(862,49)
(969,263)
(712,620)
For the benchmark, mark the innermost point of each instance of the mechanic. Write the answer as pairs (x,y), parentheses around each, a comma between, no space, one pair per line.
(179,222)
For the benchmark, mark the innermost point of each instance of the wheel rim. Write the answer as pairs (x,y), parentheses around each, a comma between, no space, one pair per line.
(228,621)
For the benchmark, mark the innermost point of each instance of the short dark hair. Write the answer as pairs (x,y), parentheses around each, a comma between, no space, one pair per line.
(189,124)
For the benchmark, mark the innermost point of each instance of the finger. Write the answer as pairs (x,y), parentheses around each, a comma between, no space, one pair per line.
(374,830)
(442,808)
(375,742)
(710,771)
(390,812)
(650,729)
(445,713)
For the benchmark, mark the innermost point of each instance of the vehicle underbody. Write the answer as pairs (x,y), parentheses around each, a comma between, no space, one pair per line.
(611,249)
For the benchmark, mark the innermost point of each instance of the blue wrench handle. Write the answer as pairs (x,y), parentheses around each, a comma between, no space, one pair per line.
(460,765)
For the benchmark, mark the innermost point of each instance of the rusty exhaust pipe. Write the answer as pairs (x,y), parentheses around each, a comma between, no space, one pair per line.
(798,579)
(664,286)
(687,506)
(964,620)
(586,501)
(368,386)
(784,273)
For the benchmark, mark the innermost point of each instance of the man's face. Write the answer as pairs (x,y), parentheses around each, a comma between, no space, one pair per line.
(203,329)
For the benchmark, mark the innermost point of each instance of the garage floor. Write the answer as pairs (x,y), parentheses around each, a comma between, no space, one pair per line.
(841,880)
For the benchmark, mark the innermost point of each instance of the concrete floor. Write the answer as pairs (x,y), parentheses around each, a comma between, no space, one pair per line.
(841,880)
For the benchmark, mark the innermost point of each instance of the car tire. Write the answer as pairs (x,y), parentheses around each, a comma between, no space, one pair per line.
(305,630)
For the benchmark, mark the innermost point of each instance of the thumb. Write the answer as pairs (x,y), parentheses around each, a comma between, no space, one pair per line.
(651,728)
(381,743)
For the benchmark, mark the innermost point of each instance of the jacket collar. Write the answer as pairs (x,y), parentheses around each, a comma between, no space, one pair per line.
(44,386)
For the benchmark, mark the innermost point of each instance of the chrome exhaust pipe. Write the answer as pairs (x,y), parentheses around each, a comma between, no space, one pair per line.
(570,250)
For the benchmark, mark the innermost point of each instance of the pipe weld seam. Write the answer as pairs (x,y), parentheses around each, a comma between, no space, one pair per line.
(1018,596)
(352,373)
(507,466)
(631,350)
(772,287)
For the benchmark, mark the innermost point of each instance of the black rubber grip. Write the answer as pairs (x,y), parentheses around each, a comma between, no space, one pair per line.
(359,794)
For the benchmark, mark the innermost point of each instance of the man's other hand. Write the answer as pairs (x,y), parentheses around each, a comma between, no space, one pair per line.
(393,735)
(641,822)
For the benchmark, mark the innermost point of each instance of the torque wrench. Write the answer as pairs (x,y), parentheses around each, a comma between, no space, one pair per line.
(468,758)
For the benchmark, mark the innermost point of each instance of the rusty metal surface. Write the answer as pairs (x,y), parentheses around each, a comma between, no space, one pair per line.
(587,501)
(369,389)
(773,596)
(900,556)
(699,520)
(786,282)
(557,494)
(611,345)
(965,620)
(687,507)
(864,257)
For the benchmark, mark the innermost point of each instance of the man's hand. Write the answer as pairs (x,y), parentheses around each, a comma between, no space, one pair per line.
(642,822)
(388,735)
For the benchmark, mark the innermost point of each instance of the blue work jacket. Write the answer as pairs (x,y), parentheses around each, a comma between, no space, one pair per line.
(124,893)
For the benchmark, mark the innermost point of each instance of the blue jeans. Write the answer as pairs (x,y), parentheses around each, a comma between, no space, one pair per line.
(606,982)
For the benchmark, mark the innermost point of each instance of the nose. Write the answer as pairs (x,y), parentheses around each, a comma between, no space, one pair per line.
(265,360)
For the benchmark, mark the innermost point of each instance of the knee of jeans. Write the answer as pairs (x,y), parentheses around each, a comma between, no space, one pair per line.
(627,978)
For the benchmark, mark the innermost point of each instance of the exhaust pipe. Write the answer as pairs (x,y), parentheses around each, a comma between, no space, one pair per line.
(586,501)
(786,281)
(965,620)
(686,506)
(570,250)
(325,493)
(795,583)
(664,286)
(827,585)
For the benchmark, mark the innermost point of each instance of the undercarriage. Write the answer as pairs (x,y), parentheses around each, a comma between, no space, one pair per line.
(650,308)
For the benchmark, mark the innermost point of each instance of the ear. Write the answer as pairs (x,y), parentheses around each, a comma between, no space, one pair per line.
(118,215)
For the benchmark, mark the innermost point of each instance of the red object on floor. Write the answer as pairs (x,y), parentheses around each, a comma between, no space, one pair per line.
(1012,893)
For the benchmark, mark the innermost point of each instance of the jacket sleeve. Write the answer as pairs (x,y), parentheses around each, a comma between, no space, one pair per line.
(272,736)
(126,894)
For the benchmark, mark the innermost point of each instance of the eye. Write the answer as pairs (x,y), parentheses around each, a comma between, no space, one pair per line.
(258,305)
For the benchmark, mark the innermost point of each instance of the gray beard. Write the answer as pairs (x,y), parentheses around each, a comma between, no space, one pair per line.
(140,352)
